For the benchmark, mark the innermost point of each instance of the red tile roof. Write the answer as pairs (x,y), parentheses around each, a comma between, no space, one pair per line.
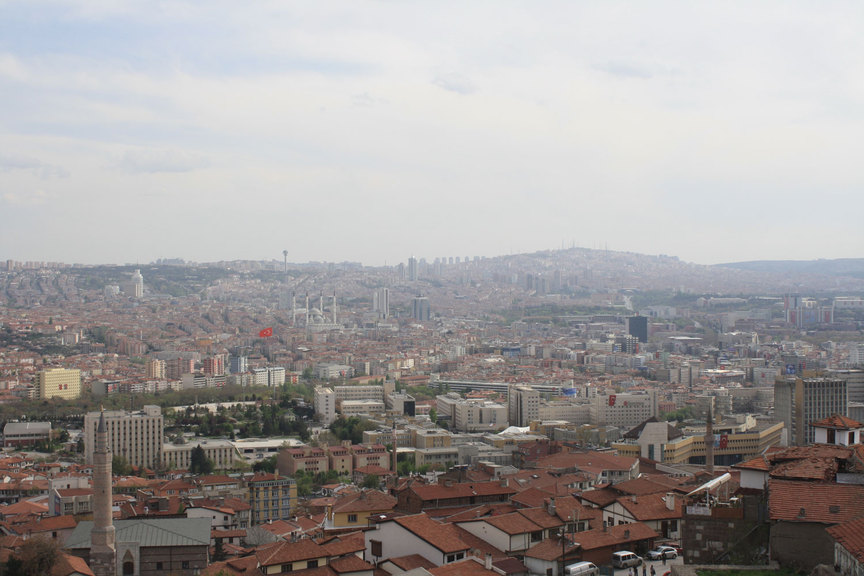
(824,469)
(850,535)
(462,490)
(442,536)
(350,563)
(466,567)
(365,501)
(344,544)
(614,536)
(287,552)
(652,507)
(513,524)
(824,503)
(838,422)
(410,562)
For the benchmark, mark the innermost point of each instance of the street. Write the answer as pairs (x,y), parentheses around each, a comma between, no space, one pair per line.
(659,568)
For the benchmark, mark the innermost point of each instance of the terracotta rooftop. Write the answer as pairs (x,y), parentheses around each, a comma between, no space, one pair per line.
(824,469)
(814,502)
(365,501)
(344,544)
(467,567)
(652,507)
(288,552)
(461,490)
(442,536)
(838,422)
(620,535)
(850,535)
(514,523)
(410,562)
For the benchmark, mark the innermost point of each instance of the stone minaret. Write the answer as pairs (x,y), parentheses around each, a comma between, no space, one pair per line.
(102,552)
(709,440)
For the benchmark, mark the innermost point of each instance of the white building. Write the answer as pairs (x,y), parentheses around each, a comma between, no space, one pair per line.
(136,436)
(325,405)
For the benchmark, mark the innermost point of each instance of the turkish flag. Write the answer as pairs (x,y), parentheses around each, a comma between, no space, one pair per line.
(724,441)
(265,333)
(611,399)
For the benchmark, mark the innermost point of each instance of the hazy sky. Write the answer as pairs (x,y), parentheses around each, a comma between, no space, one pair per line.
(368,131)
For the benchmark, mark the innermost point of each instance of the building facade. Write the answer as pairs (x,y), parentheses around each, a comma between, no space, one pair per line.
(58,383)
(137,436)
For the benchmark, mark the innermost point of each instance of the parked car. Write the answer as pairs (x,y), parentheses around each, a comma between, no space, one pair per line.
(625,559)
(581,569)
(660,552)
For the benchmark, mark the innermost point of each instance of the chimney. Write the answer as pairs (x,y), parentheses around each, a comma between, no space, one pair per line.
(488,562)
(670,500)
(633,497)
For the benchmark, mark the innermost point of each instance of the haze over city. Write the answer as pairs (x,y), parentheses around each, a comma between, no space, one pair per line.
(368,131)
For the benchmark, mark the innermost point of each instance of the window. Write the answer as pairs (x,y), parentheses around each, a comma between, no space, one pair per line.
(185,565)
(286,568)
(312,564)
(159,566)
(537,536)
(352,518)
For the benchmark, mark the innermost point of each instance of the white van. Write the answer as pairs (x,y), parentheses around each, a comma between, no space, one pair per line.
(625,559)
(581,569)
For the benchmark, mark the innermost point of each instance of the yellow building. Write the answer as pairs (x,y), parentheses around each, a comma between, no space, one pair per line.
(58,383)
(354,510)
(732,444)
(272,497)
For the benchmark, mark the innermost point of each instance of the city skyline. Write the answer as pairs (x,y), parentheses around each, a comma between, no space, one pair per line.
(369,132)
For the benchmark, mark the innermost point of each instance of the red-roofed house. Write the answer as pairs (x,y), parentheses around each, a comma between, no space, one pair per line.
(417,534)
(837,429)
(801,513)
(660,512)
(849,546)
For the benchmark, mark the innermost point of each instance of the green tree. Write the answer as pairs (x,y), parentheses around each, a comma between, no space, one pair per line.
(198,461)
(371,481)
(120,465)
(38,556)
(266,465)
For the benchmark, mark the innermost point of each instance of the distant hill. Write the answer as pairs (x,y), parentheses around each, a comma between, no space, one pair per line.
(845,267)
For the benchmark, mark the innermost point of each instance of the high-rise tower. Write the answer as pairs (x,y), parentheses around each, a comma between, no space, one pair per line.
(102,551)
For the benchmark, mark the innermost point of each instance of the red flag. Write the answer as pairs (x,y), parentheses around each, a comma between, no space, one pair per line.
(265,333)
(611,399)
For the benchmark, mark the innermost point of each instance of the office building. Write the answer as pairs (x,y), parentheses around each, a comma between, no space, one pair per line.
(381,303)
(624,410)
(420,310)
(58,383)
(412,269)
(523,405)
(637,326)
(800,401)
(137,436)
(239,364)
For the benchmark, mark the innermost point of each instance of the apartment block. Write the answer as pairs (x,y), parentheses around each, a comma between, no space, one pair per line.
(137,436)
(58,383)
